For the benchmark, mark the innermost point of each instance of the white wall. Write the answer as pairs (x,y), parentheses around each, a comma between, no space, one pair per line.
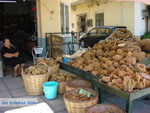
(140,24)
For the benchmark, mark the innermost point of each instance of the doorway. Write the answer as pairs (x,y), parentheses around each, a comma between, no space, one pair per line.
(83,23)
(18,22)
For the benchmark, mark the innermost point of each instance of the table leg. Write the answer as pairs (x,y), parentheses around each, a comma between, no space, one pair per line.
(97,89)
(101,94)
(129,106)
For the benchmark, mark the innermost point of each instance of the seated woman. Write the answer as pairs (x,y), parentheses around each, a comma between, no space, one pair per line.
(11,57)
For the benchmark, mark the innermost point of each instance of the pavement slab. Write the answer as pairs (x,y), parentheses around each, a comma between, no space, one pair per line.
(1,82)
(15,85)
(3,88)
(57,104)
(5,94)
(63,111)
(12,80)
(18,92)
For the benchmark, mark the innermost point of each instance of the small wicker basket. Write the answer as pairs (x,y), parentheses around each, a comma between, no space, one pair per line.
(79,106)
(56,53)
(72,84)
(61,78)
(54,69)
(102,108)
(33,83)
(41,64)
(61,87)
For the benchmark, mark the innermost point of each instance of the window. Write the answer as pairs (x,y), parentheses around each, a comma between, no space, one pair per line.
(93,31)
(101,31)
(108,31)
(89,23)
(99,19)
(64,16)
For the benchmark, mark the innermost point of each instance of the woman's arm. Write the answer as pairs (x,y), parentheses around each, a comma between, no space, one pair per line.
(16,54)
(9,55)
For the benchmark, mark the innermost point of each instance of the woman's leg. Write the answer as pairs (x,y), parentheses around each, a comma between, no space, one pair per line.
(16,68)
(20,68)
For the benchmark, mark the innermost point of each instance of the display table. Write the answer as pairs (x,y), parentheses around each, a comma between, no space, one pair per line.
(99,86)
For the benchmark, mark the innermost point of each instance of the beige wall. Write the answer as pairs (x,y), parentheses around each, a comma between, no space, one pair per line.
(47,22)
(115,13)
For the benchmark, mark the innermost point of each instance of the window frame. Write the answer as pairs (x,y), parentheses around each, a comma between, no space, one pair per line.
(98,13)
(110,29)
(101,28)
(64,24)
(93,29)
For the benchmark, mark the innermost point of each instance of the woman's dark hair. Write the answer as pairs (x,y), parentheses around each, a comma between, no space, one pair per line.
(6,38)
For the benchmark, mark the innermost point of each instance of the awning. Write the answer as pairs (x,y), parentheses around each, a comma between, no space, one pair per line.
(144,1)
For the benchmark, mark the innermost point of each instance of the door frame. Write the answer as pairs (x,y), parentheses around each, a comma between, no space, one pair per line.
(79,21)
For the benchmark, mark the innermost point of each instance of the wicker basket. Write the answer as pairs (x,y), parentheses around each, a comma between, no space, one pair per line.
(102,108)
(54,69)
(41,64)
(55,45)
(79,106)
(56,53)
(33,84)
(61,87)
(51,69)
(72,84)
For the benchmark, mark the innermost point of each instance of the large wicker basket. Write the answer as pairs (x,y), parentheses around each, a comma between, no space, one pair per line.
(72,84)
(57,44)
(79,106)
(33,84)
(102,108)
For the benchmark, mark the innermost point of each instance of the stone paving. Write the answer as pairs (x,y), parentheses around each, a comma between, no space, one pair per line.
(14,88)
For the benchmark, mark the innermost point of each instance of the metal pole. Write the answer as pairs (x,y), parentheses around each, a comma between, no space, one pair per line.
(46,41)
(51,45)
(147,23)
(78,41)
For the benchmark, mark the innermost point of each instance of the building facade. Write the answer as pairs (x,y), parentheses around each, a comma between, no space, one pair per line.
(86,14)
(52,16)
